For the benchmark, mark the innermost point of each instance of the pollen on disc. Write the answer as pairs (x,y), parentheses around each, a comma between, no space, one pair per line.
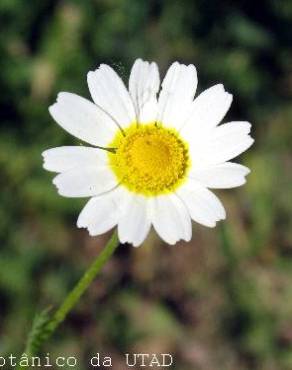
(150,159)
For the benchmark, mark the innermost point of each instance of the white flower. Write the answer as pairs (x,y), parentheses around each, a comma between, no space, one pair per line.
(153,159)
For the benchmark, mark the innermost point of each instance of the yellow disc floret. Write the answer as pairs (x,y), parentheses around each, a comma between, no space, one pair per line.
(149,159)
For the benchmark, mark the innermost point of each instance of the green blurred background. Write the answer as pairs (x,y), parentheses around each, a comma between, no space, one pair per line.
(222,301)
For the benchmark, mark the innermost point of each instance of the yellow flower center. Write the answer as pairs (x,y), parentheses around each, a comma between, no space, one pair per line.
(149,159)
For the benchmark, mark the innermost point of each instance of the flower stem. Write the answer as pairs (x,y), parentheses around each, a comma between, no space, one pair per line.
(74,296)
(47,328)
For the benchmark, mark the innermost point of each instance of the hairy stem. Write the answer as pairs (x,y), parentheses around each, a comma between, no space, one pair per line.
(46,324)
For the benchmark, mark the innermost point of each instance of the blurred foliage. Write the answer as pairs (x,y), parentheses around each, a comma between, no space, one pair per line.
(223,301)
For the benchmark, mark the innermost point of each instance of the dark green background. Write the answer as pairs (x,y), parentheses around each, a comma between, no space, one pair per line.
(223,301)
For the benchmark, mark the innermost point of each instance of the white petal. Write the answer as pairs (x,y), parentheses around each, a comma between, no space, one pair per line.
(178,91)
(224,143)
(221,176)
(134,224)
(65,158)
(85,182)
(101,213)
(207,111)
(83,119)
(204,207)
(143,86)
(170,218)
(109,92)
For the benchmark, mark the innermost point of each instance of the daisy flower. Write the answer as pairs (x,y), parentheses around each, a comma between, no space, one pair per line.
(152,159)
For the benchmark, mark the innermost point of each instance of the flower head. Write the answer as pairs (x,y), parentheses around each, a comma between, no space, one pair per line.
(153,159)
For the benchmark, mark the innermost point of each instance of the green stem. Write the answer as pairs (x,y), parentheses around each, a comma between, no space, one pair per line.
(51,324)
(74,296)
